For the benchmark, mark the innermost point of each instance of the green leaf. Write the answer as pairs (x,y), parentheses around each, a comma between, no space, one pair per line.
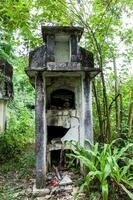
(107,170)
(105,190)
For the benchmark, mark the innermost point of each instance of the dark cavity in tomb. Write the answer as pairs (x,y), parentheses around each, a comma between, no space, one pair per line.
(55,157)
(56,133)
(62,99)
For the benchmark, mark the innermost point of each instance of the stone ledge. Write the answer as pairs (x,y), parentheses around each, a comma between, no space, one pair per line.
(40,192)
(68,66)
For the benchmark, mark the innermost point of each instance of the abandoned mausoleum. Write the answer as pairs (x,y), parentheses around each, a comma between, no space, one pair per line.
(6,90)
(61,72)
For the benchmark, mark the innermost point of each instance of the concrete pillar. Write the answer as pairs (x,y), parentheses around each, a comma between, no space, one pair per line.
(41,131)
(2,115)
(87,110)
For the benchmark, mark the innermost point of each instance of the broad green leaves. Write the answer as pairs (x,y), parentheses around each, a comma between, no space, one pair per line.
(103,167)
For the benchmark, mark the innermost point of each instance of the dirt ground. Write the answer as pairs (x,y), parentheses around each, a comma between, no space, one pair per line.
(18,177)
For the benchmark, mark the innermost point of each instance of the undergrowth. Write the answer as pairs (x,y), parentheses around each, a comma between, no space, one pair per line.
(16,172)
(19,133)
(109,169)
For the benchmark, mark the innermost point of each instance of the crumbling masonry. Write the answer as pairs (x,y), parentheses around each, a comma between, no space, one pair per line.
(6,90)
(61,72)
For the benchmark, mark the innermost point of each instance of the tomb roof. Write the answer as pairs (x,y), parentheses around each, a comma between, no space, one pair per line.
(46,30)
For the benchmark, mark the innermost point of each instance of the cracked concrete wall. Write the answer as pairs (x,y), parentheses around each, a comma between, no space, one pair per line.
(79,119)
(70,70)
(68,118)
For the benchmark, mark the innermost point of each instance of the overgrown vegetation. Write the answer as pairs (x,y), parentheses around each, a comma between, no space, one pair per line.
(19,133)
(16,176)
(109,168)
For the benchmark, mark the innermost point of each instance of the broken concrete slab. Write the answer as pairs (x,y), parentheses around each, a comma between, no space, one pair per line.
(65,181)
(68,188)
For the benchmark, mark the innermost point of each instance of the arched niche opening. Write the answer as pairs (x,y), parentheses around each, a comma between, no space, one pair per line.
(62,99)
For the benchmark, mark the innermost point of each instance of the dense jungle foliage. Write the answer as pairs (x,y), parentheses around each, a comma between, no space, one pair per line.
(108,33)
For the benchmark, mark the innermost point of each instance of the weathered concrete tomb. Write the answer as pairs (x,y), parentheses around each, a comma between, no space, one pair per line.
(6,90)
(61,72)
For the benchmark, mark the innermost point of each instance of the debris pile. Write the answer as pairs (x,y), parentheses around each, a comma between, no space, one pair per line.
(61,186)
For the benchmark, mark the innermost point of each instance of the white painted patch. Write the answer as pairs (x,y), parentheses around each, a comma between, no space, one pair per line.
(72,134)
(2,115)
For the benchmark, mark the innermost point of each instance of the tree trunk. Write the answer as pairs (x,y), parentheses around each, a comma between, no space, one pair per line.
(130,115)
(117,104)
(106,111)
(99,112)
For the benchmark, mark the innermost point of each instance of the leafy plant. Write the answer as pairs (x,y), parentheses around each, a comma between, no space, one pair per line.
(20,131)
(102,166)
